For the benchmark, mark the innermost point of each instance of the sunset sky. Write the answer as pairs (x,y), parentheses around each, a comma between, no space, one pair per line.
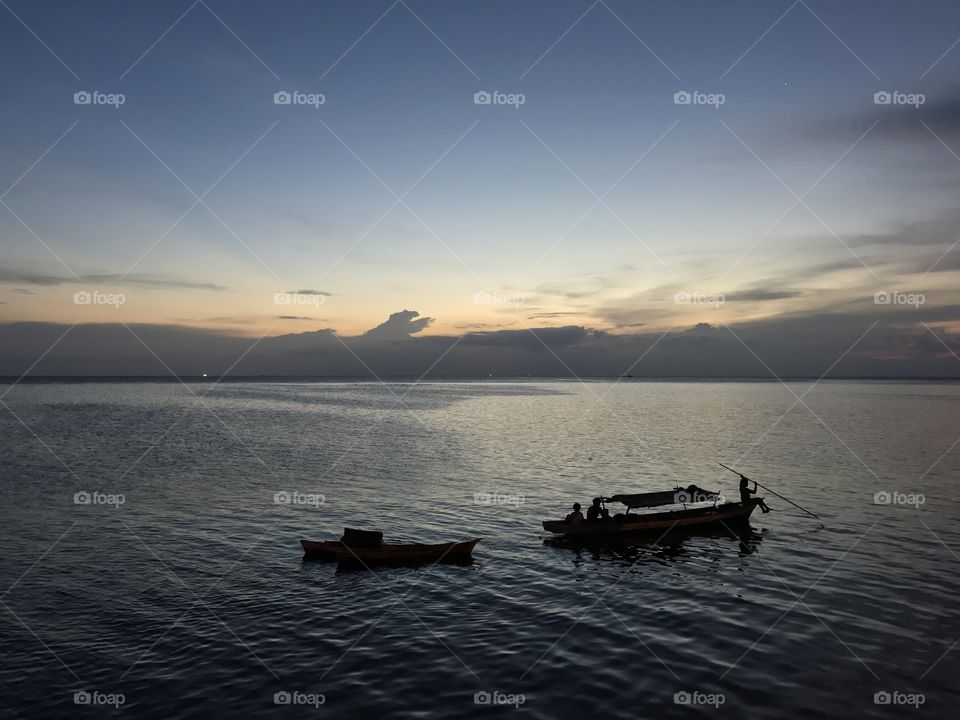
(600,202)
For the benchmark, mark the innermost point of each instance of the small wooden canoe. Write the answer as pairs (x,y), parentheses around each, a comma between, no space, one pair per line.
(408,553)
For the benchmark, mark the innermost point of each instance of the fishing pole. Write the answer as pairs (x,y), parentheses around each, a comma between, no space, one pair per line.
(769,490)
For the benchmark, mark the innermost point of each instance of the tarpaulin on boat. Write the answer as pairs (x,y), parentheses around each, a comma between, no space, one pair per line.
(688,495)
(668,497)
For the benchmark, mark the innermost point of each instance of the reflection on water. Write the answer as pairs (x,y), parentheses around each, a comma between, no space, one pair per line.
(191,598)
(663,549)
(346,566)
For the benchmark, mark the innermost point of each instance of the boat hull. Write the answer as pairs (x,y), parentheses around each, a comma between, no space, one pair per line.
(387,554)
(675,520)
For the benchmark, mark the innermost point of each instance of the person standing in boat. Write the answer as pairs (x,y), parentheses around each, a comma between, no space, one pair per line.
(597,512)
(576,517)
(746,492)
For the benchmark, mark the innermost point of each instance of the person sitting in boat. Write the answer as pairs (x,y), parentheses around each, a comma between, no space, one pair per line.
(746,492)
(597,512)
(576,517)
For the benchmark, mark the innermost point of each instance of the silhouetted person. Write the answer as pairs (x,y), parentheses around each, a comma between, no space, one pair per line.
(596,513)
(576,517)
(746,492)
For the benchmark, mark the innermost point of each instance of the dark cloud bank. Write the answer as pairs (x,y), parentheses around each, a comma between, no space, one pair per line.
(803,346)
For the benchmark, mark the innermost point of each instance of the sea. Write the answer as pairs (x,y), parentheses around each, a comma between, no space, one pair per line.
(150,563)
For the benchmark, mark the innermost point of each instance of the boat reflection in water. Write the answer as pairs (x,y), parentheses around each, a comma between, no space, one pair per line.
(348,566)
(663,549)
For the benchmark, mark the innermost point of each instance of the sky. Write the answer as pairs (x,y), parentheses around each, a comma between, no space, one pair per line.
(735,188)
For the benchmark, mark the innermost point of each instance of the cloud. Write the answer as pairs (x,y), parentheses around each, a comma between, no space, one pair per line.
(310,292)
(481,326)
(942,114)
(578,288)
(150,281)
(948,262)
(802,345)
(540,316)
(761,295)
(223,319)
(816,271)
(399,326)
(10,275)
(936,238)
(897,122)
(536,337)
(942,230)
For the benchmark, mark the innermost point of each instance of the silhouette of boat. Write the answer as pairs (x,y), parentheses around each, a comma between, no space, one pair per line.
(686,519)
(410,553)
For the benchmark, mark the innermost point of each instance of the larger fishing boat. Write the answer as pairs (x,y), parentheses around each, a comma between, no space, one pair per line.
(695,509)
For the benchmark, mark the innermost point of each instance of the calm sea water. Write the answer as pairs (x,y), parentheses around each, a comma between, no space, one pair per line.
(191,598)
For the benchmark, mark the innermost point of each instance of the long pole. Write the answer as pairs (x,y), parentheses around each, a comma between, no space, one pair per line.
(771,491)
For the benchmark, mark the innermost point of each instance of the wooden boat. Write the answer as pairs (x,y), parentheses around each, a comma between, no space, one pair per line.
(399,554)
(685,519)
